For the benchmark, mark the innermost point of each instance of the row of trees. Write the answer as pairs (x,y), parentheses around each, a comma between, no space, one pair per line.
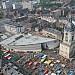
(46,3)
(72,3)
(51,4)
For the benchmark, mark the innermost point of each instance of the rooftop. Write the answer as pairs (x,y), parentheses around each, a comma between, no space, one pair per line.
(21,39)
(70,27)
(54,31)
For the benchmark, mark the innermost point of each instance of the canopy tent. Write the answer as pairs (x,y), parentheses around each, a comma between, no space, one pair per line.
(40,69)
(49,61)
(51,64)
(58,67)
(30,63)
(70,72)
(42,73)
(42,60)
(58,61)
(35,63)
(59,71)
(45,71)
(8,57)
(45,62)
(15,58)
(41,55)
(44,56)
(53,74)
(63,65)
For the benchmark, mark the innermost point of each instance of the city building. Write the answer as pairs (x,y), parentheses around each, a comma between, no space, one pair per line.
(67,47)
(10,4)
(17,5)
(53,33)
(56,12)
(6,5)
(14,28)
(26,5)
(21,42)
(48,18)
(38,1)
(29,4)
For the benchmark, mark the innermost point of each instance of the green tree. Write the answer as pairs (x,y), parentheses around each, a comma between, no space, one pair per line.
(72,3)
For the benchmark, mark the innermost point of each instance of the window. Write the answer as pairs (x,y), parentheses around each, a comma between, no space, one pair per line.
(19,37)
(66,33)
(72,38)
(66,38)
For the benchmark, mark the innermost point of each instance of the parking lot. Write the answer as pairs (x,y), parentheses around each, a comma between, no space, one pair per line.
(44,63)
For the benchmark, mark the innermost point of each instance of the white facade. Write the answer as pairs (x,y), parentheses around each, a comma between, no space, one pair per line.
(21,42)
(6,4)
(67,47)
(66,50)
(56,12)
(25,48)
(52,44)
(32,47)
(48,18)
(3,5)
(17,5)
(28,5)
(14,29)
(38,1)
(53,33)
(13,6)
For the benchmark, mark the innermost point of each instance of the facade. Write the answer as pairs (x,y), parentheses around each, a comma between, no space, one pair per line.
(67,47)
(38,1)
(48,18)
(21,42)
(17,5)
(27,4)
(10,4)
(56,12)
(6,5)
(14,28)
(53,33)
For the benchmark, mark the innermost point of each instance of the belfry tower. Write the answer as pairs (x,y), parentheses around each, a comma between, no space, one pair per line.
(67,47)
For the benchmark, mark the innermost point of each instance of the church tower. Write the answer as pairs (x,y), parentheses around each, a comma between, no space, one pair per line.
(67,47)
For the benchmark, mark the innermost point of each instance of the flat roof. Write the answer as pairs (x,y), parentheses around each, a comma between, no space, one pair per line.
(54,31)
(21,39)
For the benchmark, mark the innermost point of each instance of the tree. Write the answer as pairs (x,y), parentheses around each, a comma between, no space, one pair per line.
(72,3)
